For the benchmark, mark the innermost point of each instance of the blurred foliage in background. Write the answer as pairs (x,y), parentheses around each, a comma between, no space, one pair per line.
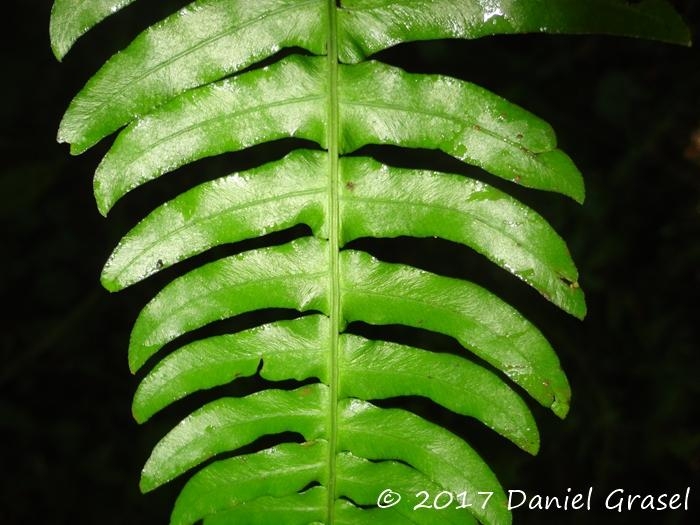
(627,111)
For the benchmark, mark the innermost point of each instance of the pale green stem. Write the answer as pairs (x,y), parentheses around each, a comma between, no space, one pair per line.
(336,321)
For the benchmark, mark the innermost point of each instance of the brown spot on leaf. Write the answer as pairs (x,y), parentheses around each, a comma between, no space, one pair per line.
(571,284)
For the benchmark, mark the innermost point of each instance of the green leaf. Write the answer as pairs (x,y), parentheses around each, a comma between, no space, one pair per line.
(381,201)
(241,206)
(191,87)
(297,509)
(214,38)
(199,124)
(381,370)
(375,434)
(71,19)
(459,118)
(380,293)
(369,26)
(362,480)
(230,423)
(234,482)
(286,349)
(370,370)
(231,286)
(465,121)
(376,200)
(197,45)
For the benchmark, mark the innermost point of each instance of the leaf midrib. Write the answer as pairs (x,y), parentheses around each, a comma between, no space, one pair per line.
(336,322)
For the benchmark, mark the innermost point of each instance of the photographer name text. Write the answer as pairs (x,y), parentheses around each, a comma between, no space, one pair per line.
(618,500)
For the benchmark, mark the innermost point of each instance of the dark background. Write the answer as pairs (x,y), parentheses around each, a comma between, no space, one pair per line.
(627,111)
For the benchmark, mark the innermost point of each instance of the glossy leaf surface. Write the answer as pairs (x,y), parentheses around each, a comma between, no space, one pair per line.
(189,88)
(214,38)
(70,19)
(369,26)
(195,46)
(377,104)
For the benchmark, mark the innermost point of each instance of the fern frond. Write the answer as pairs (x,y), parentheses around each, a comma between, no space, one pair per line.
(189,88)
